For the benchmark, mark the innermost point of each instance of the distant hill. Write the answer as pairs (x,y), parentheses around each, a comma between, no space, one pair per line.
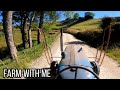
(91,24)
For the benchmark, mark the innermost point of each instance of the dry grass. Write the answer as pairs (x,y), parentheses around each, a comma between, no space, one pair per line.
(87,25)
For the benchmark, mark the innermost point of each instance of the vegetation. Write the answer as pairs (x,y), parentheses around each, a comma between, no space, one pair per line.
(20,30)
(76,16)
(25,56)
(89,15)
(7,26)
(92,24)
(114,53)
(21,39)
(91,32)
(68,15)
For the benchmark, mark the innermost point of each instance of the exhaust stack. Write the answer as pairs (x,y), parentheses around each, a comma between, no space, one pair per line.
(61,43)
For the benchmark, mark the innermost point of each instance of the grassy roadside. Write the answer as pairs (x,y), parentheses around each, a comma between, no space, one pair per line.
(26,56)
(90,32)
(114,53)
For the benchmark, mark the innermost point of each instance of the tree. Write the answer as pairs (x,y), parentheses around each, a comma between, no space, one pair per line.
(39,36)
(68,14)
(106,22)
(22,17)
(46,16)
(76,16)
(24,29)
(89,15)
(52,15)
(7,26)
(29,30)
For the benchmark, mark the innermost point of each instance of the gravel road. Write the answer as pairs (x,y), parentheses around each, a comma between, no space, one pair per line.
(109,69)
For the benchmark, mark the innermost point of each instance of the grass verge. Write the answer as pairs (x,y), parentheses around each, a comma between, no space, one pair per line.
(114,53)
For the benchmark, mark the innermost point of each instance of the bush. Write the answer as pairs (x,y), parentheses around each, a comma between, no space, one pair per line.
(115,33)
(81,19)
(89,15)
(106,22)
(76,16)
(91,37)
(117,19)
(116,27)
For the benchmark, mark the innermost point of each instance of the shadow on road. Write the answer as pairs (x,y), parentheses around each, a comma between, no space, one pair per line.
(75,42)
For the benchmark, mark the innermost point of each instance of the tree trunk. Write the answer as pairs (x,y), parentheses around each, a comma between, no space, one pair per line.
(21,28)
(29,31)
(23,23)
(39,36)
(24,32)
(7,25)
(29,38)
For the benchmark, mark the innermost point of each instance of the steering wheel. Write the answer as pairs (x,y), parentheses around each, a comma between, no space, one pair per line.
(96,76)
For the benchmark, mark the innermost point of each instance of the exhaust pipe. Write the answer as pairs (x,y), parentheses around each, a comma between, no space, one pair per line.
(61,39)
(61,43)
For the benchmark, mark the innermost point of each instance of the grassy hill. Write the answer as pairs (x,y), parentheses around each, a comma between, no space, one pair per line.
(87,25)
(91,32)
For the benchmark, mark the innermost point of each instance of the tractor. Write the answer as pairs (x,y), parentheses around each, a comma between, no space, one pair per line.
(74,64)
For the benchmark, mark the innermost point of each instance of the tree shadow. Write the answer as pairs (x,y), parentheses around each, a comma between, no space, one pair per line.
(4,52)
(91,38)
(75,42)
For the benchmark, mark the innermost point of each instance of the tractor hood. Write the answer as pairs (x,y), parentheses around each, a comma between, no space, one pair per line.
(74,56)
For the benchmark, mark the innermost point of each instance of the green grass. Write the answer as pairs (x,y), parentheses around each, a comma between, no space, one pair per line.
(26,56)
(50,26)
(114,53)
(87,25)
(2,41)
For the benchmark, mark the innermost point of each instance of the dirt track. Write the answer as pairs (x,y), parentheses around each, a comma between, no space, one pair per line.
(108,70)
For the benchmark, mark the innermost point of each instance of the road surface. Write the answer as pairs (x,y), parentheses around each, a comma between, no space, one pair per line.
(109,69)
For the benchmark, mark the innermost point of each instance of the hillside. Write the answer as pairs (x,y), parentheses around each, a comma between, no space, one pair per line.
(87,25)
(90,32)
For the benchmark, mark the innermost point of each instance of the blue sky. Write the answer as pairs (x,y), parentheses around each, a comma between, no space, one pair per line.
(98,14)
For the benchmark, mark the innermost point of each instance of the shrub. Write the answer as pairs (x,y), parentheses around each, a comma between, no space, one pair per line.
(106,22)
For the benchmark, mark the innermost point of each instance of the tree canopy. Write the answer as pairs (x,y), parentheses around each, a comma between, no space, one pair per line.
(76,16)
(68,14)
(89,15)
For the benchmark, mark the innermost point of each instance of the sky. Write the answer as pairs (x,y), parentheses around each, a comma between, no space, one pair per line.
(98,14)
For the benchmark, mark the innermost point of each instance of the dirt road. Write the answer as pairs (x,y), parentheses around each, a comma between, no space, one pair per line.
(108,70)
